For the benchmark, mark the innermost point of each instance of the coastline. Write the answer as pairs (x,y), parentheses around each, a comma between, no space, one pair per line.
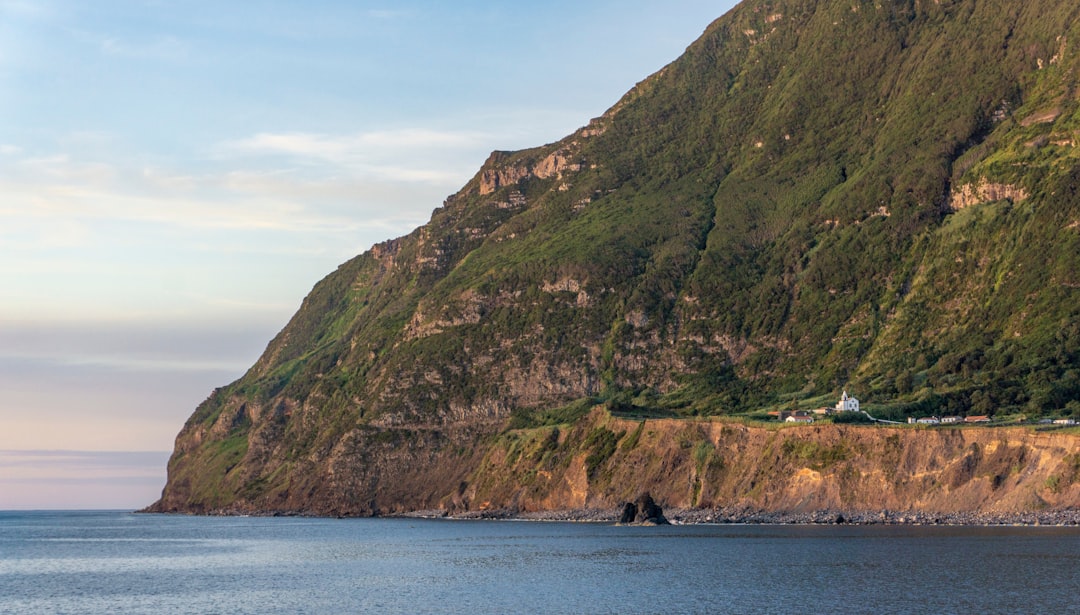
(703,516)
(747,516)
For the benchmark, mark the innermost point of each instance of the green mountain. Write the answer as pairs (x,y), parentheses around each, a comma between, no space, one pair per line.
(819,194)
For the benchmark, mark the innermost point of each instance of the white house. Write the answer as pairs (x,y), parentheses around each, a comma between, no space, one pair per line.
(847,404)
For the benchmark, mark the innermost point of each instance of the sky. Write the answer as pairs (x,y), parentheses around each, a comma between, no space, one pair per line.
(175,176)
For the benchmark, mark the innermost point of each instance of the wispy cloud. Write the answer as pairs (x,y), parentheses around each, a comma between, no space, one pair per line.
(116,385)
(295,182)
(332,146)
(46,479)
(132,346)
(390,13)
(393,155)
(143,241)
(25,8)
(33,464)
(155,364)
(58,190)
(163,48)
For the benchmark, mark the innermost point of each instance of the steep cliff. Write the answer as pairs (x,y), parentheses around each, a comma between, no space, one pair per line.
(603,461)
(600,461)
(818,193)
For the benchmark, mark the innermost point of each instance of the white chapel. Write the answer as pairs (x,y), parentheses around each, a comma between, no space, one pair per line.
(847,404)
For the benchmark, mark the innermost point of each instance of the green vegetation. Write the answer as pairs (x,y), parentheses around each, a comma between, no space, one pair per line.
(810,237)
(214,485)
(1070,473)
(632,441)
(816,455)
(602,443)
(523,418)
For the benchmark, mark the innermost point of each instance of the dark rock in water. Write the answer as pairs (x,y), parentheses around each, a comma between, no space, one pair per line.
(643,512)
(648,510)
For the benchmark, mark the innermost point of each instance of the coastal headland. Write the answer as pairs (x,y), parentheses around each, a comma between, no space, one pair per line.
(815,199)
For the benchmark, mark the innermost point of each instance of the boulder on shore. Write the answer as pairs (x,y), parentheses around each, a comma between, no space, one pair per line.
(643,512)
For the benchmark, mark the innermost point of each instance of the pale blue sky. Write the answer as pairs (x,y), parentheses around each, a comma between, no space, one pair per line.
(175,176)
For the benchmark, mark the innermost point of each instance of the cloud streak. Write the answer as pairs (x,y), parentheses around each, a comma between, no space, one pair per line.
(60,405)
(167,48)
(332,147)
(29,465)
(392,155)
(297,182)
(133,346)
(283,200)
(52,479)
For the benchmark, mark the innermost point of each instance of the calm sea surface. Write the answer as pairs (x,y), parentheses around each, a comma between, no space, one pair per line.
(111,562)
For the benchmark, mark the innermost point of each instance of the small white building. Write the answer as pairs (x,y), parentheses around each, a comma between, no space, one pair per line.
(847,404)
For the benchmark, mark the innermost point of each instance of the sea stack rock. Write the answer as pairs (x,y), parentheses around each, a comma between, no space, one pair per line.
(643,512)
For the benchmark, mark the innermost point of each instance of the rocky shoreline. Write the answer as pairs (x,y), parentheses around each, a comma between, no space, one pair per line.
(718,516)
(746,516)
(880,517)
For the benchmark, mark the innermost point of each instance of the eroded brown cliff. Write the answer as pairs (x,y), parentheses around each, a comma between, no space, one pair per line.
(602,461)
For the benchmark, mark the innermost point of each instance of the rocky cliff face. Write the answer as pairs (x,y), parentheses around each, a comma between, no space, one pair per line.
(686,464)
(818,194)
(602,461)
(985,192)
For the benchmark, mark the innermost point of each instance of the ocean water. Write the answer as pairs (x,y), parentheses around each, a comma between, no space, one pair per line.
(115,562)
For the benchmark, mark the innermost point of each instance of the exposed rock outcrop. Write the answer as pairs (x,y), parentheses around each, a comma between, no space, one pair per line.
(496,175)
(984,192)
(643,512)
